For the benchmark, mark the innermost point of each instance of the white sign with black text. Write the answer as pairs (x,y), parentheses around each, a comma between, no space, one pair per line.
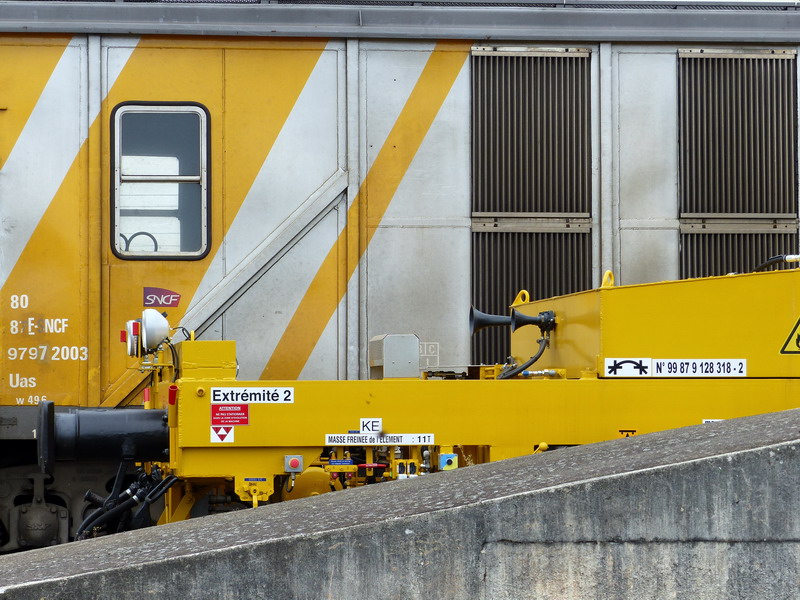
(252,395)
(675,367)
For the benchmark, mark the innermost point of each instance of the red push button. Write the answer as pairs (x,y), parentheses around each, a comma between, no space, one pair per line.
(293,463)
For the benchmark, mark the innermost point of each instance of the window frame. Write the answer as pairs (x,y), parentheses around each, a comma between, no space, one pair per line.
(204,177)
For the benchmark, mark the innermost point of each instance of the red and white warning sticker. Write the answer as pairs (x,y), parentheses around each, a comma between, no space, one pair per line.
(230,414)
(222,434)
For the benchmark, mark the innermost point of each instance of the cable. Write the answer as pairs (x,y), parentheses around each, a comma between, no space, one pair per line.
(89,521)
(776,260)
(95,514)
(176,368)
(517,370)
(109,501)
(159,490)
(116,511)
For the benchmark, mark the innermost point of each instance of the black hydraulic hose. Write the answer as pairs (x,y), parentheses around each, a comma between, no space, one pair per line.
(156,493)
(106,504)
(113,498)
(161,488)
(776,260)
(517,370)
(95,500)
(116,511)
(96,514)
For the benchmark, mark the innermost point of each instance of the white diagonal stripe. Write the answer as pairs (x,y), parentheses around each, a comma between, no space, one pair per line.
(44,153)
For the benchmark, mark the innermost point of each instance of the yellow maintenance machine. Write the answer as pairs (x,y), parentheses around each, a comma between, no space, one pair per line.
(610,362)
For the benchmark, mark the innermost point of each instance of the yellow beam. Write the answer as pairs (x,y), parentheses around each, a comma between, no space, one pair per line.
(511,417)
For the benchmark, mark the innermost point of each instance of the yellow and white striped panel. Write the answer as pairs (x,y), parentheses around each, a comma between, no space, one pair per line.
(44,191)
(249,88)
(292,309)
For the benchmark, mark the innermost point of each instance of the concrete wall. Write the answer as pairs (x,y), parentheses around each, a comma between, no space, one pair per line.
(704,512)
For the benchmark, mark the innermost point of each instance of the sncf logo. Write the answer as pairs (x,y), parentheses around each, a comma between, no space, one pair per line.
(154,296)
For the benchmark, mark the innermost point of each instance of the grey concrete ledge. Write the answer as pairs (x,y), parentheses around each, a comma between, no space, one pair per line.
(703,512)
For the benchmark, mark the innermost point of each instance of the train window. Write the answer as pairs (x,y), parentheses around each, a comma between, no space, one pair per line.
(160,177)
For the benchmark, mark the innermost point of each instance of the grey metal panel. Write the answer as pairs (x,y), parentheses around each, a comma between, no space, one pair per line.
(646,166)
(606,194)
(545,264)
(786,53)
(704,254)
(752,223)
(18,422)
(649,254)
(618,4)
(673,21)
(417,264)
(418,284)
(648,142)
(528,223)
(738,124)
(259,316)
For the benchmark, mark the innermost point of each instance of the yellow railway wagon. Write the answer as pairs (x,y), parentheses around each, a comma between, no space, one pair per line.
(303,177)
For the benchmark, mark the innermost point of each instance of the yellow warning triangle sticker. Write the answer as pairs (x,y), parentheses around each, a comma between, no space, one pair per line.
(792,343)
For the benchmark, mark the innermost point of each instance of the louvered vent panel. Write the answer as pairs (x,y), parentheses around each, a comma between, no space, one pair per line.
(545,264)
(738,124)
(531,134)
(706,254)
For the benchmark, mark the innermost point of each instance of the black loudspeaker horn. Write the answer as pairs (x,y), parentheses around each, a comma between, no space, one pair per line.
(478,320)
(546,321)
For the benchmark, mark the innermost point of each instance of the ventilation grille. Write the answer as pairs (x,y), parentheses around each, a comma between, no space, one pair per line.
(531,178)
(738,123)
(545,264)
(706,254)
(531,133)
